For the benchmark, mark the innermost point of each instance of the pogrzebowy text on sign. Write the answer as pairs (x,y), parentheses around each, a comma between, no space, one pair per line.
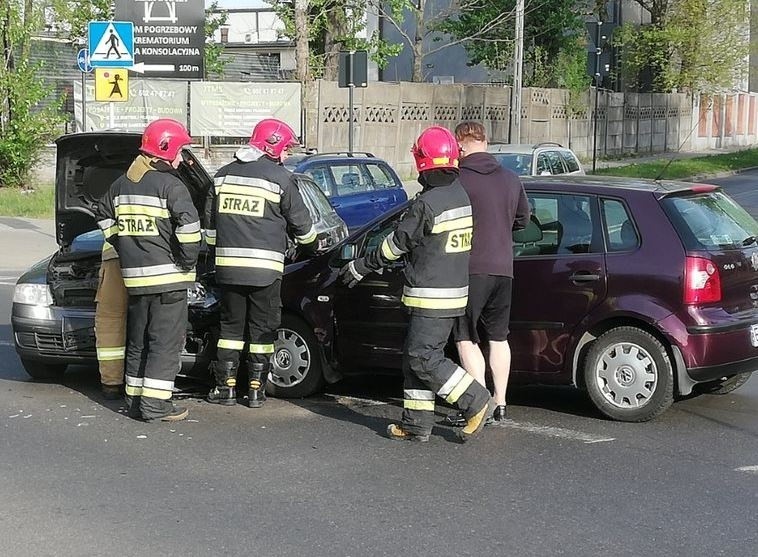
(169,36)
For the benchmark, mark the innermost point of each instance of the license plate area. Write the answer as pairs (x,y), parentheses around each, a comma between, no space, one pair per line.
(754,335)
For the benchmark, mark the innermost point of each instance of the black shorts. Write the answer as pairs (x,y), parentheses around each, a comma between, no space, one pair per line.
(488,311)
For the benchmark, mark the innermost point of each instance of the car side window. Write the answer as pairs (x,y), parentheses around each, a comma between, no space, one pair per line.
(349,179)
(559,224)
(572,165)
(380,177)
(320,175)
(543,166)
(555,162)
(620,233)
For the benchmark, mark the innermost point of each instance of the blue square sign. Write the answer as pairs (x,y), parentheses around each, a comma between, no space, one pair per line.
(111,44)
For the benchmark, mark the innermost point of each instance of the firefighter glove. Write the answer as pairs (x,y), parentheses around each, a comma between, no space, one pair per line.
(352,273)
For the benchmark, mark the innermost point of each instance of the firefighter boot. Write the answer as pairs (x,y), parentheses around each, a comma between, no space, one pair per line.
(225,392)
(258,377)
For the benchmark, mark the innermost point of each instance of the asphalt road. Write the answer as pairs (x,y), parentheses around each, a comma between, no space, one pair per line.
(316,477)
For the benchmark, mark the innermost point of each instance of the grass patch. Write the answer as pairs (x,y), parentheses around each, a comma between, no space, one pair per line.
(685,168)
(37,204)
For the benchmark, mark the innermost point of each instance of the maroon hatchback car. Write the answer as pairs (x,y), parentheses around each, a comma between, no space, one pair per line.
(635,291)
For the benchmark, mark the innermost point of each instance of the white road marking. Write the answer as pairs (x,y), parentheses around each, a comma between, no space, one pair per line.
(549,431)
(552,431)
(748,469)
(7,343)
(348,400)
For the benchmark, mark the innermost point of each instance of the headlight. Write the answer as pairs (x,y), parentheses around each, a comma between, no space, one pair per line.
(33,294)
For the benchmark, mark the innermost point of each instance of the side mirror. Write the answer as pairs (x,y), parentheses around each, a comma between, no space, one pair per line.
(347,252)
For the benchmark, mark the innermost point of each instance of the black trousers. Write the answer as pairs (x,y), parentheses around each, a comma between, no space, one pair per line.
(155,335)
(255,310)
(428,373)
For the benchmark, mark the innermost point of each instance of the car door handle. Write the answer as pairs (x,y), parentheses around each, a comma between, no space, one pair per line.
(584,276)
(336,205)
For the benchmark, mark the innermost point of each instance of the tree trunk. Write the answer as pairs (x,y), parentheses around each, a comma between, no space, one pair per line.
(8,65)
(417,48)
(303,70)
(336,31)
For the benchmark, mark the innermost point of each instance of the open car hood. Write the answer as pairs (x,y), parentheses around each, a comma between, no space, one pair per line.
(88,163)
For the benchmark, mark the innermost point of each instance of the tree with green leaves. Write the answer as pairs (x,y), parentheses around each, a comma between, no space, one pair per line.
(428,28)
(554,39)
(690,45)
(25,124)
(322,28)
(214,20)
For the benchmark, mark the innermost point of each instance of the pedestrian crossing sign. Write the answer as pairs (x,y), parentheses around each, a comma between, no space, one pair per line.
(111,44)
(111,84)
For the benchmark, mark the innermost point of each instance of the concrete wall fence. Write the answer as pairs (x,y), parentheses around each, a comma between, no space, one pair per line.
(389,116)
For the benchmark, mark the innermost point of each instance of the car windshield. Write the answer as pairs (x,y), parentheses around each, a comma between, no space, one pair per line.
(519,163)
(711,221)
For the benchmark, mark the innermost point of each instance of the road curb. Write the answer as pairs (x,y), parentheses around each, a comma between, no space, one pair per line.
(723,174)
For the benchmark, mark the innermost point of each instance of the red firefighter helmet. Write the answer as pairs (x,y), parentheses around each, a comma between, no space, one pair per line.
(436,147)
(164,138)
(273,136)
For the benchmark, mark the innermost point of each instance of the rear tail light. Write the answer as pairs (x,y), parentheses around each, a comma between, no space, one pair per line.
(702,282)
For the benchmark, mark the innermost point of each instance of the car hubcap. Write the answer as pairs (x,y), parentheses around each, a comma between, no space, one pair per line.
(626,375)
(291,360)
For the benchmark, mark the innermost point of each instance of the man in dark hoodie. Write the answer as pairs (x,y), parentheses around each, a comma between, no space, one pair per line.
(499,206)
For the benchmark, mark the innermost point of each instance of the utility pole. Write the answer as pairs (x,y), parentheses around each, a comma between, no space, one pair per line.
(598,52)
(518,62)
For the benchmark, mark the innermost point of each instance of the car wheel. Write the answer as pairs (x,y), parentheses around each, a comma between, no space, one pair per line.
(628,375)
(723,386)
(42,371)
(296,361)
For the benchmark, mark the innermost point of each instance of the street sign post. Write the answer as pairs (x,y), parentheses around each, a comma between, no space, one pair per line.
(82,60)
(169,37)
(352,72)
(111,44)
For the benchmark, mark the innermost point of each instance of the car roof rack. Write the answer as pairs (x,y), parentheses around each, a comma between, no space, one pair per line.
(541,143)
(345,153)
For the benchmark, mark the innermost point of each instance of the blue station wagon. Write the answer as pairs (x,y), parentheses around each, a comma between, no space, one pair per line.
(360,186)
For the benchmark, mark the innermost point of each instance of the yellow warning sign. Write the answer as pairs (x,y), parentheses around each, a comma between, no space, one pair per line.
(111,84)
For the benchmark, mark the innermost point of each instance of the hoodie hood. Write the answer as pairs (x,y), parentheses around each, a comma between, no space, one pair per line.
(481,163)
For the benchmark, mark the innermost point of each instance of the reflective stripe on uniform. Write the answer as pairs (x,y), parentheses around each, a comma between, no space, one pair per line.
(390,251)
(107,354)
(131,199)
(188,233)
(142,210)
(157,388)
(250,257)
(133,385)
(210,237)
(418,399)
(244,185)
(308,237)
(456,385)
(108,226)
(251,191)
(261,348)
(453,219)
(435,298)
(155,275)
(227,344)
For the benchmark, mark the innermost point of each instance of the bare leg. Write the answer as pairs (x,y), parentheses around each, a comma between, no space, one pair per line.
(472,360)
(500,363)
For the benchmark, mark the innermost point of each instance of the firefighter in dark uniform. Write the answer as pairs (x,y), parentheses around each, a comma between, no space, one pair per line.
(149,217)
(254,202)
(435,236)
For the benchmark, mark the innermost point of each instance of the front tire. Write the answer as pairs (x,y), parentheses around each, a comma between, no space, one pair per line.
(40,371)
(297,370)
(628,375)
(723,386)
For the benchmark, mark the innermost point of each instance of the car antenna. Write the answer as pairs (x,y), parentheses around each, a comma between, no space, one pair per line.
(672,159)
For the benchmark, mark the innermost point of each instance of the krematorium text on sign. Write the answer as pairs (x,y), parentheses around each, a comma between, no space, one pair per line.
(169,36)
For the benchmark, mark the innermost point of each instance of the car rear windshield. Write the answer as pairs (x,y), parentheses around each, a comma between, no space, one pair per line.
(710,221)
(521,164)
